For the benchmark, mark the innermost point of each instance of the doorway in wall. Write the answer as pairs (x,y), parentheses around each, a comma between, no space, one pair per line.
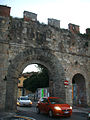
(79,90)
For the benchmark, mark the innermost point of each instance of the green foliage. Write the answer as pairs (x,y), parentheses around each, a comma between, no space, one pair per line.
(37,80)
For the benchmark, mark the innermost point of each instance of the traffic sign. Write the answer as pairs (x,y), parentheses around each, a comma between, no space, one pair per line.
(66,83)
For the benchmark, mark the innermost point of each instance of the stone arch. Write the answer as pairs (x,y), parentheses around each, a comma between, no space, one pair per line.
(29,56)
(79,90)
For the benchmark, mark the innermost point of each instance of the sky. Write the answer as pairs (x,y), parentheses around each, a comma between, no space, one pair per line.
(31,68)
(67,11)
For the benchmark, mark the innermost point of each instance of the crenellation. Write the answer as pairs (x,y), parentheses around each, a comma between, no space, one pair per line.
(73,28)
(29,16)
(53,22)
(5,11)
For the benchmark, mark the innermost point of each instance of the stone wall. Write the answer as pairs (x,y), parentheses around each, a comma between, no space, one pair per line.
(26,41)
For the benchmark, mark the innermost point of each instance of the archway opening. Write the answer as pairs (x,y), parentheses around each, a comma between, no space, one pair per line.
(34,56)
(79,90)
(34,82)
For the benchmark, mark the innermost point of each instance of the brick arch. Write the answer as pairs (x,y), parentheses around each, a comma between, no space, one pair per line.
(29,56)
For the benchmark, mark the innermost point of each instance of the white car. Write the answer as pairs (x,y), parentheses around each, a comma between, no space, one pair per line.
(24,101)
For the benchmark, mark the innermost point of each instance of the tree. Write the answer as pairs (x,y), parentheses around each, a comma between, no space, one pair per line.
(37,80)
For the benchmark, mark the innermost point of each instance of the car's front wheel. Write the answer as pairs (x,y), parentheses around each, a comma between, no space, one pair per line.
(50,113)
(37,110)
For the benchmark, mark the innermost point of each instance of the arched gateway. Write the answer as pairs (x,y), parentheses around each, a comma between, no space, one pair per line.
(29,56)
(64,52)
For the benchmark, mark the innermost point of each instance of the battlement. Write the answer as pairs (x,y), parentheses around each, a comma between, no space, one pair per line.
(74,28)
(5,11)
(88,31)
(29,16)
(54,22)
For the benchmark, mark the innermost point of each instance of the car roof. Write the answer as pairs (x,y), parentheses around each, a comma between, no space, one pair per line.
(51,97)
(23,96)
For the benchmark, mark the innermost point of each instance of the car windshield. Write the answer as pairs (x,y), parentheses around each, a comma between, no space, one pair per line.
(24,98)
(56,101)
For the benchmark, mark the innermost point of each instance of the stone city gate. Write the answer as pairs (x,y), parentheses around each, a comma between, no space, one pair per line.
(65,53)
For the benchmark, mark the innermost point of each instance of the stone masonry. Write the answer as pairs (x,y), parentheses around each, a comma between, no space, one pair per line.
(64,52)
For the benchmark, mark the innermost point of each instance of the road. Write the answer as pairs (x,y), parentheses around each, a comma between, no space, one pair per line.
(31,112)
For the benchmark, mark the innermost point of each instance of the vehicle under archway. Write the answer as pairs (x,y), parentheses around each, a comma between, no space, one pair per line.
(34,77)
(34,56)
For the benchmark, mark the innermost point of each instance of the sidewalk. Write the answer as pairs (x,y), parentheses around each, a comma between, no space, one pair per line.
(81,109)
(5,115)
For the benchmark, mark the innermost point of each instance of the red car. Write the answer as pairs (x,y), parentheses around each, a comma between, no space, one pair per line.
(54,106)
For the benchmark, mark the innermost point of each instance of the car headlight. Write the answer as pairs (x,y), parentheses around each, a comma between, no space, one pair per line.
(57,108)
(70,107)
(18,103)
(30,102)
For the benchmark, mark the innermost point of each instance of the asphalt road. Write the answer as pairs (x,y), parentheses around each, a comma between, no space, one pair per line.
(31,112)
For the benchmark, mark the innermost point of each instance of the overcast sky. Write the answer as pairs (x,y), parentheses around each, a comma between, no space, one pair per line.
(67,11)
(31,68)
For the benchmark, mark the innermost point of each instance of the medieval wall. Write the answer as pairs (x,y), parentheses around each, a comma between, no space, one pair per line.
(69,46)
